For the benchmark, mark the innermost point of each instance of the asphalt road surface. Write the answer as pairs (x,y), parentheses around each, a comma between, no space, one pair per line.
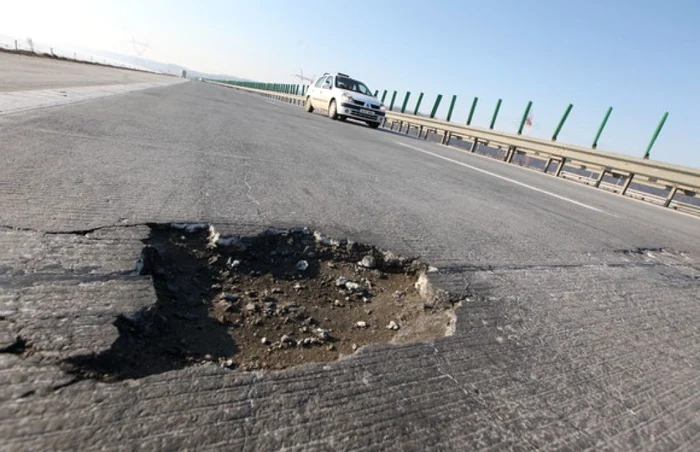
(23,72)
(582,329)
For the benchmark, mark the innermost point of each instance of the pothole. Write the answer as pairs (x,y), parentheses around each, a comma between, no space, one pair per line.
(272,301)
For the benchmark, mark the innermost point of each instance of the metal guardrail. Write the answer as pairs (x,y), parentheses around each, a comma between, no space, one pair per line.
(656,174)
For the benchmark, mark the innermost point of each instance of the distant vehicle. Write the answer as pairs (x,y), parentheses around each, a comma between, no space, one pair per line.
(183,74)
(343,97)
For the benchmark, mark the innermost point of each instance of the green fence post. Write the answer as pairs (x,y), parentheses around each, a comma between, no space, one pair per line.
(452,107)
(384,96)
(522,121)
(393,99)
(435,107)
(561,123)
(420,99)
(602,126)
(472,110)
(405,101)
(376,92)
(656,135)
(495,114)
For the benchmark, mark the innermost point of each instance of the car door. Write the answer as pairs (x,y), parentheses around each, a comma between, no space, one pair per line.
(314,89)
(324,93)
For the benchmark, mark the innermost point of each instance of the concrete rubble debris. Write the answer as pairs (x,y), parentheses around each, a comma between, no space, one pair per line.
(353,286)
(392,326)
(302,265)
(368,262)
(322,334)
(287,340)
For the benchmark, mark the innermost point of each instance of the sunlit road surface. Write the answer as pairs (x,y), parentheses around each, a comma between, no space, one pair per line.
(582,329)
(22,72)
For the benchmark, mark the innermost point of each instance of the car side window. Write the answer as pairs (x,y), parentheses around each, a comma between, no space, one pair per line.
(319,82)
(329,82)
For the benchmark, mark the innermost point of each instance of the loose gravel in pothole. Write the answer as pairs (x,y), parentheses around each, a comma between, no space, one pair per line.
(272,301)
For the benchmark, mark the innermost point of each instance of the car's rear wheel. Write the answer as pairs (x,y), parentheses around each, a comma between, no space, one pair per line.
(373,125)
(332,110)
(309,107)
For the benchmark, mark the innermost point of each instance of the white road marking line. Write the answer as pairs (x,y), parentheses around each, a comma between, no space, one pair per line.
(498,176)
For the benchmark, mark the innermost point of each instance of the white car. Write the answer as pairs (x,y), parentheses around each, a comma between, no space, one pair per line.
(344,97)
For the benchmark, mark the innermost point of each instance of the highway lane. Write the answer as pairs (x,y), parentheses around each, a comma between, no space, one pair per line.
(570,339)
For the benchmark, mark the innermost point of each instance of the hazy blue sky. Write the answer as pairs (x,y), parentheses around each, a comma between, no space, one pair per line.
(641,57)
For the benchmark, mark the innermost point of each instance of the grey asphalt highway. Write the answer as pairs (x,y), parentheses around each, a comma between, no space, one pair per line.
(581,330)
(22,72)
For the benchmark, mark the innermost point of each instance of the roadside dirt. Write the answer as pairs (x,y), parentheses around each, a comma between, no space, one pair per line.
(273,301)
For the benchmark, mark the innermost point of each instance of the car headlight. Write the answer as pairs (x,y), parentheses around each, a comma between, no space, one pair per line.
(346,97)
(382,107)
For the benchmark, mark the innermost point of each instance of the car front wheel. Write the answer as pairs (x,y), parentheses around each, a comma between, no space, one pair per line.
(373,125)
(307,104)
(333,110)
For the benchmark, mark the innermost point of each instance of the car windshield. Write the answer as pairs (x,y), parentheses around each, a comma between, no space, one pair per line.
(352,85)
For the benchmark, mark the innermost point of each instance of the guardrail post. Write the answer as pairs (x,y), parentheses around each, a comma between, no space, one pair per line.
(452,107)
(17,48)
(435,107)
(510,153)
(600,177)
(627,184)
(471,110)
(602,126)
(393,99)
(475,145)
(405,101)
(670,196)
(561,123)
(446,138)
(376,92)
(548,164)
(495,114)
(522,121)
(384,96)
(656,135)
(560,168)
(415,111)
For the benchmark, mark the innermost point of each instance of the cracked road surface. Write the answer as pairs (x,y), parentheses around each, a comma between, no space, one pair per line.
(582,330)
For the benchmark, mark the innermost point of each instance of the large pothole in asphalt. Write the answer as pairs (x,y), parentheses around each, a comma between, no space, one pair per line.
(272,301)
